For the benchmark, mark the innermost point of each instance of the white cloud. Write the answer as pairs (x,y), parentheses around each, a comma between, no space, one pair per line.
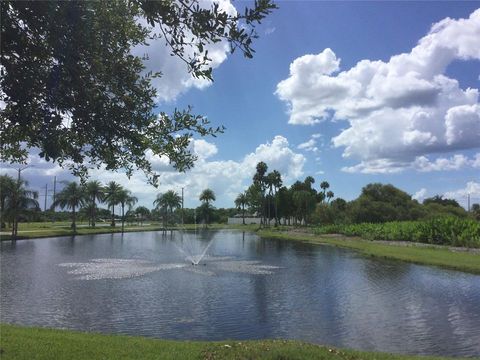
(308,145)
(311,144)
(420,163)
(456,162)
(471,189)
(175,78)
(396,110)
(227,178)
(270,30)
(420,195)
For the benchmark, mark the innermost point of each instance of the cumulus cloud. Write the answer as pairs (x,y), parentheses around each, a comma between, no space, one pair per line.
(420,163)
(420,195)
(175,78)
(472,189)
(396,110)
(227,178)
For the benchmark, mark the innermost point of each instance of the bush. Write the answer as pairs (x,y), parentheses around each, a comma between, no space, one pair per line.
(442,231)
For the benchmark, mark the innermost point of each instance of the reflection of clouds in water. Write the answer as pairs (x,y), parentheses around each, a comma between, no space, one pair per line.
(97,269)
(246,267)
(115,268)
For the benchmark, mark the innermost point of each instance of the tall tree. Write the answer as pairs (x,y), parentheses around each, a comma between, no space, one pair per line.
(71,197)
(142,213)
(112,197)
(73,89)
(17,200)
(259,179)
(240,202)
(324,185)
(166,203)
(95,192)
(125,198)
(273,182)
(329,195)
(7,186)
(206,197)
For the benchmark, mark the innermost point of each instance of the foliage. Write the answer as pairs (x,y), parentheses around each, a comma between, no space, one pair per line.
(112,197)
(73,89)
(380,203)
(476,211)
(94,192)
(165,204)
(440,231)
(142,213)
(205,210)
(125,198)
(17,202)
(71,197)
(438,199)
(240,202)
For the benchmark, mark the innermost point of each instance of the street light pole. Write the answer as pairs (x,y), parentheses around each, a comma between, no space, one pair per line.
(16,203)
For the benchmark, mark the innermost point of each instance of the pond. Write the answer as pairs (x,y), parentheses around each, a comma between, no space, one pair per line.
(243,288)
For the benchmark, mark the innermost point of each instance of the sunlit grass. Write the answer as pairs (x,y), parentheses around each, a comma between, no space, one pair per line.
(438,256)
(37,343)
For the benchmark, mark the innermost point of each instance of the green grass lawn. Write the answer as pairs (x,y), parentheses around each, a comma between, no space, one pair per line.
(37,343)
(437,256)
(62,228)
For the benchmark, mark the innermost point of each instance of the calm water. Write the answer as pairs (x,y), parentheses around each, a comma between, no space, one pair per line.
(249,288)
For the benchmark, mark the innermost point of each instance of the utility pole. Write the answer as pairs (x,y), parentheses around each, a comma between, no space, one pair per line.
(182,208)
(468,202)
(16,204)
(46,195)
(54,194)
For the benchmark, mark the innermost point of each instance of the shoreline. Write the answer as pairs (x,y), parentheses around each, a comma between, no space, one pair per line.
(22,342)
(417,253)
(459,259)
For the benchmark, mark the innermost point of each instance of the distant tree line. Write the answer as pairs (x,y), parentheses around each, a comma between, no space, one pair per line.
(267,197)
(302,204)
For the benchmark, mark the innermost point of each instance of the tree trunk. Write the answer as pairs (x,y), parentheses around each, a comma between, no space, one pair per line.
(123,217)
(243,213)
(113,216)
(94,212)
(74,220)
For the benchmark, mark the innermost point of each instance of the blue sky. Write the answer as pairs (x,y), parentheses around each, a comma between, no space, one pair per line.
(270,111)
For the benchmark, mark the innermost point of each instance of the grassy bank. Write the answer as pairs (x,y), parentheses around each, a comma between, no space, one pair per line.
(443,257)
(44,229)
(37,343)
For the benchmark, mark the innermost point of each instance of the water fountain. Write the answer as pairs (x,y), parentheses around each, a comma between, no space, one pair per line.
(191,250)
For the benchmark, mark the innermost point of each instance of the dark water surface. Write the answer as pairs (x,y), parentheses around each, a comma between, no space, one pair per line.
(249,288)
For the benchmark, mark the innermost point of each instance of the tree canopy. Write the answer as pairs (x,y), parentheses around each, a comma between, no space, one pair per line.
(72,88)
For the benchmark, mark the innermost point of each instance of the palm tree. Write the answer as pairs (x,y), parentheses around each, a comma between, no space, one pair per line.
(142,212)
(206,196)
(71,197)
(260,179)
(240,202)
(330,195)
(7,185)
(166,203)
(125,198)
(94,191)
(112,191)
(16,200)
(324,185)
(274,182)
